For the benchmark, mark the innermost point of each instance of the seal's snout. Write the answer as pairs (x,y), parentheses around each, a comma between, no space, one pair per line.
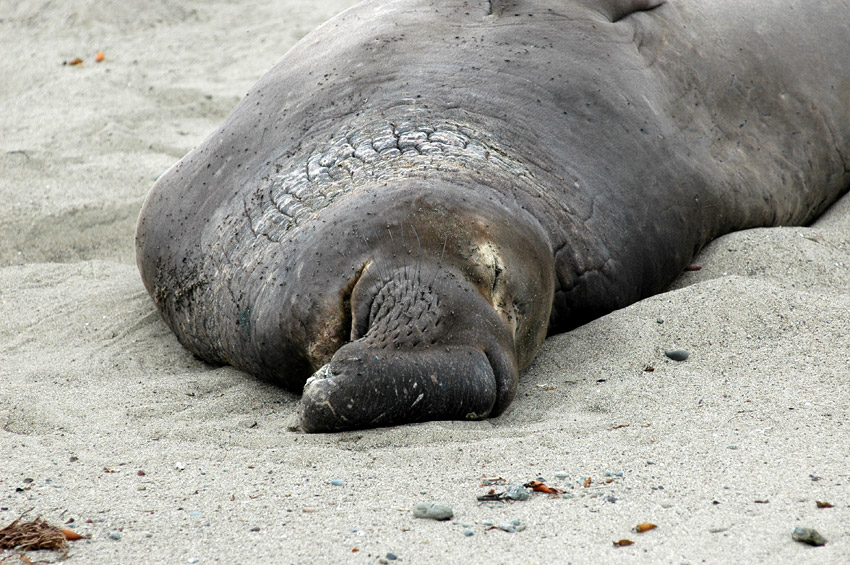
(434,351)
(365,388)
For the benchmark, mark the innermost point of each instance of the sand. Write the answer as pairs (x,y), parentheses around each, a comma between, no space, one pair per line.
(105,419)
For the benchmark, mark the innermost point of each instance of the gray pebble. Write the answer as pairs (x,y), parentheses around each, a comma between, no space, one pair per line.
(115,534)
(255,529)
(432,511)
(807,535)
(468,532)
(561,474)
(677,354)
(193,559)
(392,556)
(487,523)
(517,491)
(507,527)
(660,320)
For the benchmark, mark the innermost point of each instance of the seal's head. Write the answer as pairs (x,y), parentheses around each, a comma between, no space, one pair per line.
(442,298)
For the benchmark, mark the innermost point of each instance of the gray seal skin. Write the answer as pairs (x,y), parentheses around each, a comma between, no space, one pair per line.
(418,192)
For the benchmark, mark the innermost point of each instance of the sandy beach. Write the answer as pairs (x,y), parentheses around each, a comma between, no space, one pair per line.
(109,427)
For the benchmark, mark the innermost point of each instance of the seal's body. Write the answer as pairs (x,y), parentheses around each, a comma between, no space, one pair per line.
(418,191)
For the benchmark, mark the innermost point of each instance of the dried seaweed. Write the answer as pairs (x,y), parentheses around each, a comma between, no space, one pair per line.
(35,534)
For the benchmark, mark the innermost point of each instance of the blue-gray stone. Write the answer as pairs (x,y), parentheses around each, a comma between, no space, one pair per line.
(432,511)
(677,354)
(518,491)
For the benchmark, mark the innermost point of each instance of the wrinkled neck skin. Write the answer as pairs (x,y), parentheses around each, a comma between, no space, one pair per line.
(451,302)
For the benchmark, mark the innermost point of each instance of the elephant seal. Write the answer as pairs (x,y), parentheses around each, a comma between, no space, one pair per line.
(419,191)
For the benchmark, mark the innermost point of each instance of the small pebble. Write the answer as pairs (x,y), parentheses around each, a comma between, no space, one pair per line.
(432,511)
(518,491)
(336,482)
(116,535)
(468,532)
(255,529)
(507,527)
(807,535)
(660,320)
(520,528)
(676,354)
(193,560)
(487,523)
(610,498)
(561,474)
(392,556)
(731,447)
(179,466)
